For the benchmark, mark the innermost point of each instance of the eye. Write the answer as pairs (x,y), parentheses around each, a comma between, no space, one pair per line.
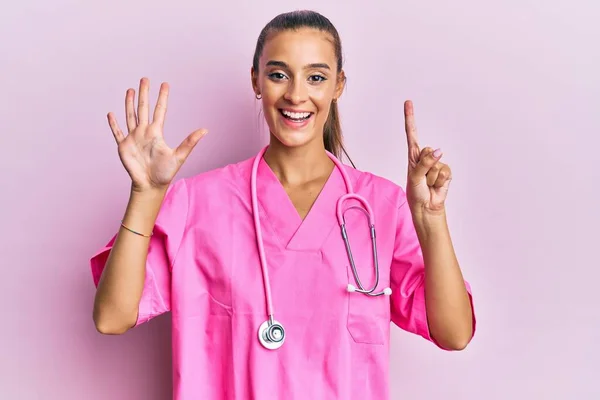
(317,78)
(277,76)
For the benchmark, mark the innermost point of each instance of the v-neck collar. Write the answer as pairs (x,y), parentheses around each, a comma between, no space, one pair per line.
(293,232)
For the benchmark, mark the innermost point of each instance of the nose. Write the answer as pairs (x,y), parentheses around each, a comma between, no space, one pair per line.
(296,92)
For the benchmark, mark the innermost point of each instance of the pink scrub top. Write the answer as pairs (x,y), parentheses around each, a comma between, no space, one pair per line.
(203,266)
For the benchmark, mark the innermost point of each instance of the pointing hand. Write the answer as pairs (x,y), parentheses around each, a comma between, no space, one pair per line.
(428,178)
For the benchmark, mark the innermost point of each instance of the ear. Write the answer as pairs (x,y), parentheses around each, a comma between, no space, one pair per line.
(340,84)
(254,81)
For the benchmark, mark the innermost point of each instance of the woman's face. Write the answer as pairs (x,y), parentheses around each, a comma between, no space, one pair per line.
(298,80)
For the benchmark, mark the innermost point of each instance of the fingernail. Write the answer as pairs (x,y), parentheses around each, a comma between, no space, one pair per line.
(437,153)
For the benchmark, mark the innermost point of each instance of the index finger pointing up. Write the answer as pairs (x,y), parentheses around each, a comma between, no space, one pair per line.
(411,134)
(409,125)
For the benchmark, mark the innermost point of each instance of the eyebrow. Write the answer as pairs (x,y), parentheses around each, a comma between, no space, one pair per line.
(308,66)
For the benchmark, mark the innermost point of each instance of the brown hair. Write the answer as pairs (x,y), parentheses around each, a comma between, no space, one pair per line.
(332,131)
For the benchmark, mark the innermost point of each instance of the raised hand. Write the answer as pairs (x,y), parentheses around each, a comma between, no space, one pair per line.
(150,163)
(428,178)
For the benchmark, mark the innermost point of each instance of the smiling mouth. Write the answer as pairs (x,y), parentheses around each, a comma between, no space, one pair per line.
(296,117)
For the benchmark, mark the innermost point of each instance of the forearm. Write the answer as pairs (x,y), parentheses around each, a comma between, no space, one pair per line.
(448,306)
(120,287)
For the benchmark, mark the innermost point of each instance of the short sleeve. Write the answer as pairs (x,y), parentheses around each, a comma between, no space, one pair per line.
(408,279)
(163,247)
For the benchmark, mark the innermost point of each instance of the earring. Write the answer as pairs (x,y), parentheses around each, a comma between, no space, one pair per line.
(259,96)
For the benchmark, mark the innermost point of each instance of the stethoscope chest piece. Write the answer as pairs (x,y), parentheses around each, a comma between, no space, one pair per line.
(271,334)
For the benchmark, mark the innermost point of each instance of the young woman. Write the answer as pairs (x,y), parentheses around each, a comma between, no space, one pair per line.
(282,272)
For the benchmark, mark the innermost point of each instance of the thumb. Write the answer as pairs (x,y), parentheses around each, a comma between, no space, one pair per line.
(425,163)
(185,148)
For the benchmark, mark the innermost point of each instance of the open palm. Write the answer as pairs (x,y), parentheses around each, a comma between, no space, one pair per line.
(149,161)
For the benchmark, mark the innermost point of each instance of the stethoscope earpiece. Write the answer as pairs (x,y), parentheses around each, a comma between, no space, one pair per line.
(351,289)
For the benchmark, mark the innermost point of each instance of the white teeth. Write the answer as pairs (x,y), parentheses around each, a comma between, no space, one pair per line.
(295,115)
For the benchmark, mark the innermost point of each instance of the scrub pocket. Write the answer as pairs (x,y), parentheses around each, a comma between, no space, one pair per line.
(366,317)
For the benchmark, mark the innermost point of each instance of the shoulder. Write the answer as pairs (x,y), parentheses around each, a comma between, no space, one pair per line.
(376,186)
(216,181)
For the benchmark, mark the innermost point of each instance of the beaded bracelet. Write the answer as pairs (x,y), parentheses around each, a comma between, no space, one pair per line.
(137,233)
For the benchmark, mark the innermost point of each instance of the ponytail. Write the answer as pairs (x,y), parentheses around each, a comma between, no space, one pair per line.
(332,133)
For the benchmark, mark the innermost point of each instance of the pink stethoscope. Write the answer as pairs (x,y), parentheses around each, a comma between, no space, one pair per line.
(271,333)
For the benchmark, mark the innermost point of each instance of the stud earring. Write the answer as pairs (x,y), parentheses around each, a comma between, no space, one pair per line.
(259,96)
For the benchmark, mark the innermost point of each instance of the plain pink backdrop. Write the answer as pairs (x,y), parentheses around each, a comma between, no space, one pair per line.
(509,90)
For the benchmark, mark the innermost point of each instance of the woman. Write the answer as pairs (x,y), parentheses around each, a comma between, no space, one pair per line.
(250,258)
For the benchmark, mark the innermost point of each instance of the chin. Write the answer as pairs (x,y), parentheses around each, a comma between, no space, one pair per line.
(294,139)
(293,132)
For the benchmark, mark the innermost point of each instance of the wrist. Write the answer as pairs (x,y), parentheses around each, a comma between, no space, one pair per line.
(147,195)
(147,190)
(429,222)
(143,206)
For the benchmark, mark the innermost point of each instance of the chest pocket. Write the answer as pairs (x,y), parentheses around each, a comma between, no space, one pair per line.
(366,321)
(368,316)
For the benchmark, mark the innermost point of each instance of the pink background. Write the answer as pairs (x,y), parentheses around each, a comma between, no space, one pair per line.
(510,91)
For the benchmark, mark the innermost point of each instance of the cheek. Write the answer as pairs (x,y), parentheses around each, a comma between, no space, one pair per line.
(271,92)
(323,106)
(322,98)
(269,102)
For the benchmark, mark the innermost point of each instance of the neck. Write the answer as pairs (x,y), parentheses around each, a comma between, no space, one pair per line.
(298,165)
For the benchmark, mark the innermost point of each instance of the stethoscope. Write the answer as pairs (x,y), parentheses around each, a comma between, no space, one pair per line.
(271,333)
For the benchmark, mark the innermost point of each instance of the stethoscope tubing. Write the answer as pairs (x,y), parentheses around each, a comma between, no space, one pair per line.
(267,330)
